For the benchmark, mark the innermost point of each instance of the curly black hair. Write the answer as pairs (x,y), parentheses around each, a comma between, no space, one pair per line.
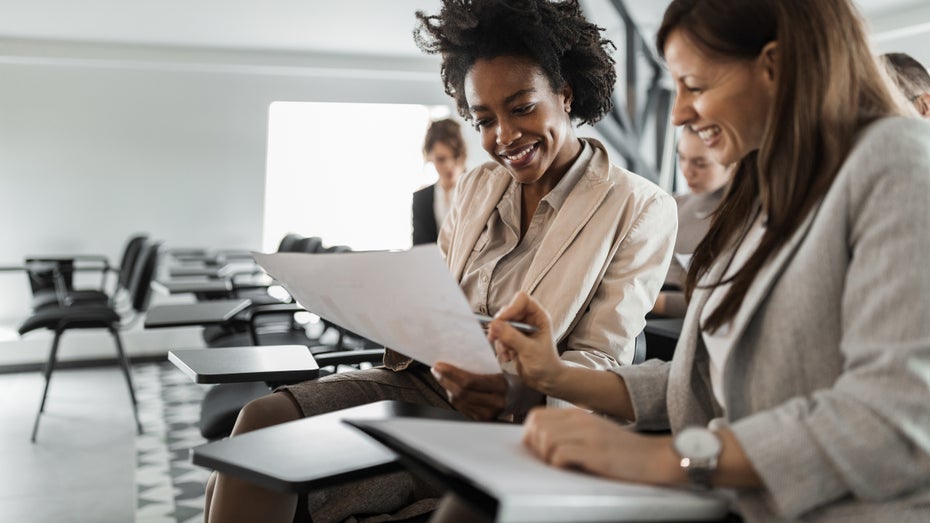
(555,35)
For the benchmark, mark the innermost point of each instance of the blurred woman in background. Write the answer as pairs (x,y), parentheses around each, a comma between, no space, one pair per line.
(443,147)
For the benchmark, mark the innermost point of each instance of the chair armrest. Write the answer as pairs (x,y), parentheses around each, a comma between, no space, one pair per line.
(67,257)
(74,263)
(103,261)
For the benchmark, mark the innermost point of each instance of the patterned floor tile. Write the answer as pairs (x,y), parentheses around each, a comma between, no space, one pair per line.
(169,489)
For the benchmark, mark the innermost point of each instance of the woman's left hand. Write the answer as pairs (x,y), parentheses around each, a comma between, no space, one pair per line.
(574,438)
(478,396)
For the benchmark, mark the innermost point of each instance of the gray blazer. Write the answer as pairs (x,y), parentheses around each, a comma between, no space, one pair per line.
(827,386)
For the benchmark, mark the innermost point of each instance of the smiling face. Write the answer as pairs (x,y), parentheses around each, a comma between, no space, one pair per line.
(725,101)
(524,125)
(703,173)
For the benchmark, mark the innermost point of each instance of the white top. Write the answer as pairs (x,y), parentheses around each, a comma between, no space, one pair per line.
(720,343)
(442,202)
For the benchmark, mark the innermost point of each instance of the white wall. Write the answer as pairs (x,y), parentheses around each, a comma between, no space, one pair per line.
(99,142)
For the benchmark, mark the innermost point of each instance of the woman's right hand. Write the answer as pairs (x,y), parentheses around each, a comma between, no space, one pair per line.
(536,357)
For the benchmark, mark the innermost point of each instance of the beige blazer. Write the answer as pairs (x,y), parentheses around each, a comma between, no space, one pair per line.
(599,268)
(827,385)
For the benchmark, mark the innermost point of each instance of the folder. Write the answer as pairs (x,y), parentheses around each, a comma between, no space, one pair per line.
(487,464)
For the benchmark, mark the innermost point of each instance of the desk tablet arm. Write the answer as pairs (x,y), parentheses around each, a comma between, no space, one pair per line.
(349,357)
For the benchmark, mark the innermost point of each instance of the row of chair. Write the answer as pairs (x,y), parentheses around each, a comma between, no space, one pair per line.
(274,320)
(59,307)
(123,296)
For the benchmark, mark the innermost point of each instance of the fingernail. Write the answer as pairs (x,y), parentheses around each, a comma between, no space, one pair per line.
(435,374)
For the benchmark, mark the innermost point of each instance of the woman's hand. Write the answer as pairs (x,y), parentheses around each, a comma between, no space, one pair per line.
(573,438)
(478,396)
(537,360)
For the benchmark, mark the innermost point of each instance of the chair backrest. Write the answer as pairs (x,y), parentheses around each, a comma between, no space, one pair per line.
(140,289)
(288,243)
(128,261)
(310,245)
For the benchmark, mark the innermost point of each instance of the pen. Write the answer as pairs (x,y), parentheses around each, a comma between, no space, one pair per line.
(522,327)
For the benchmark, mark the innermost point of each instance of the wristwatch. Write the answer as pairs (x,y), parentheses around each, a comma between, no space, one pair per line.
(699,449)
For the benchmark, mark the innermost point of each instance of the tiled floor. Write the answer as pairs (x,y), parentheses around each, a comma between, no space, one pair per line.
(88,463)
(170,489)
(82,466)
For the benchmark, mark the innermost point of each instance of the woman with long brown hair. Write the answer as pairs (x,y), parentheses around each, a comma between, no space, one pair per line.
(801,375)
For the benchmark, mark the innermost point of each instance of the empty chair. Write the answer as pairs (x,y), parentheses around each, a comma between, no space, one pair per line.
(96,316)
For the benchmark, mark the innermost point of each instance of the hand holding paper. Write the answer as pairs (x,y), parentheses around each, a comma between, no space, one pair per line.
(479,396)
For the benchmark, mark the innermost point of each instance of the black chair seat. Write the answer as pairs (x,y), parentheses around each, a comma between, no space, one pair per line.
(49,298)
(83,317)
(221,405)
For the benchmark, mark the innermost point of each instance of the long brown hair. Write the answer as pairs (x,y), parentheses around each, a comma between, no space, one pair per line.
(828,89)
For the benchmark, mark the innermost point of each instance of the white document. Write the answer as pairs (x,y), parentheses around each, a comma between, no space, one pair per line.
(492,457)
(406,300)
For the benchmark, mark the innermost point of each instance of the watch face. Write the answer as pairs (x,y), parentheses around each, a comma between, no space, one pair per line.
(697,443)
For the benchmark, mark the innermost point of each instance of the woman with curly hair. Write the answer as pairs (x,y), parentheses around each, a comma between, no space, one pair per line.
(550,215)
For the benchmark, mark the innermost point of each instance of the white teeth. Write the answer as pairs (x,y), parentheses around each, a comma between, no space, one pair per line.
(710,132)
(518,157)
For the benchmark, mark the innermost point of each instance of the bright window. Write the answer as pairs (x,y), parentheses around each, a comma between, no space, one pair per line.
(345,172)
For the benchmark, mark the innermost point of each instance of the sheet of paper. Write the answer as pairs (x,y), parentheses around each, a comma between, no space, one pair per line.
(406,300)
(491,456)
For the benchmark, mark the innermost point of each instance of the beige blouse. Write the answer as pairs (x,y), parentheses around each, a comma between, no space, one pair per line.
(496,268)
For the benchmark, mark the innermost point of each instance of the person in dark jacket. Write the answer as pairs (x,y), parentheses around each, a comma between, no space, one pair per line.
(445,149)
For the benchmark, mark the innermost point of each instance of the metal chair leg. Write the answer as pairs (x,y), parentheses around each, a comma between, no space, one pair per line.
(124,364)
(49,366)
